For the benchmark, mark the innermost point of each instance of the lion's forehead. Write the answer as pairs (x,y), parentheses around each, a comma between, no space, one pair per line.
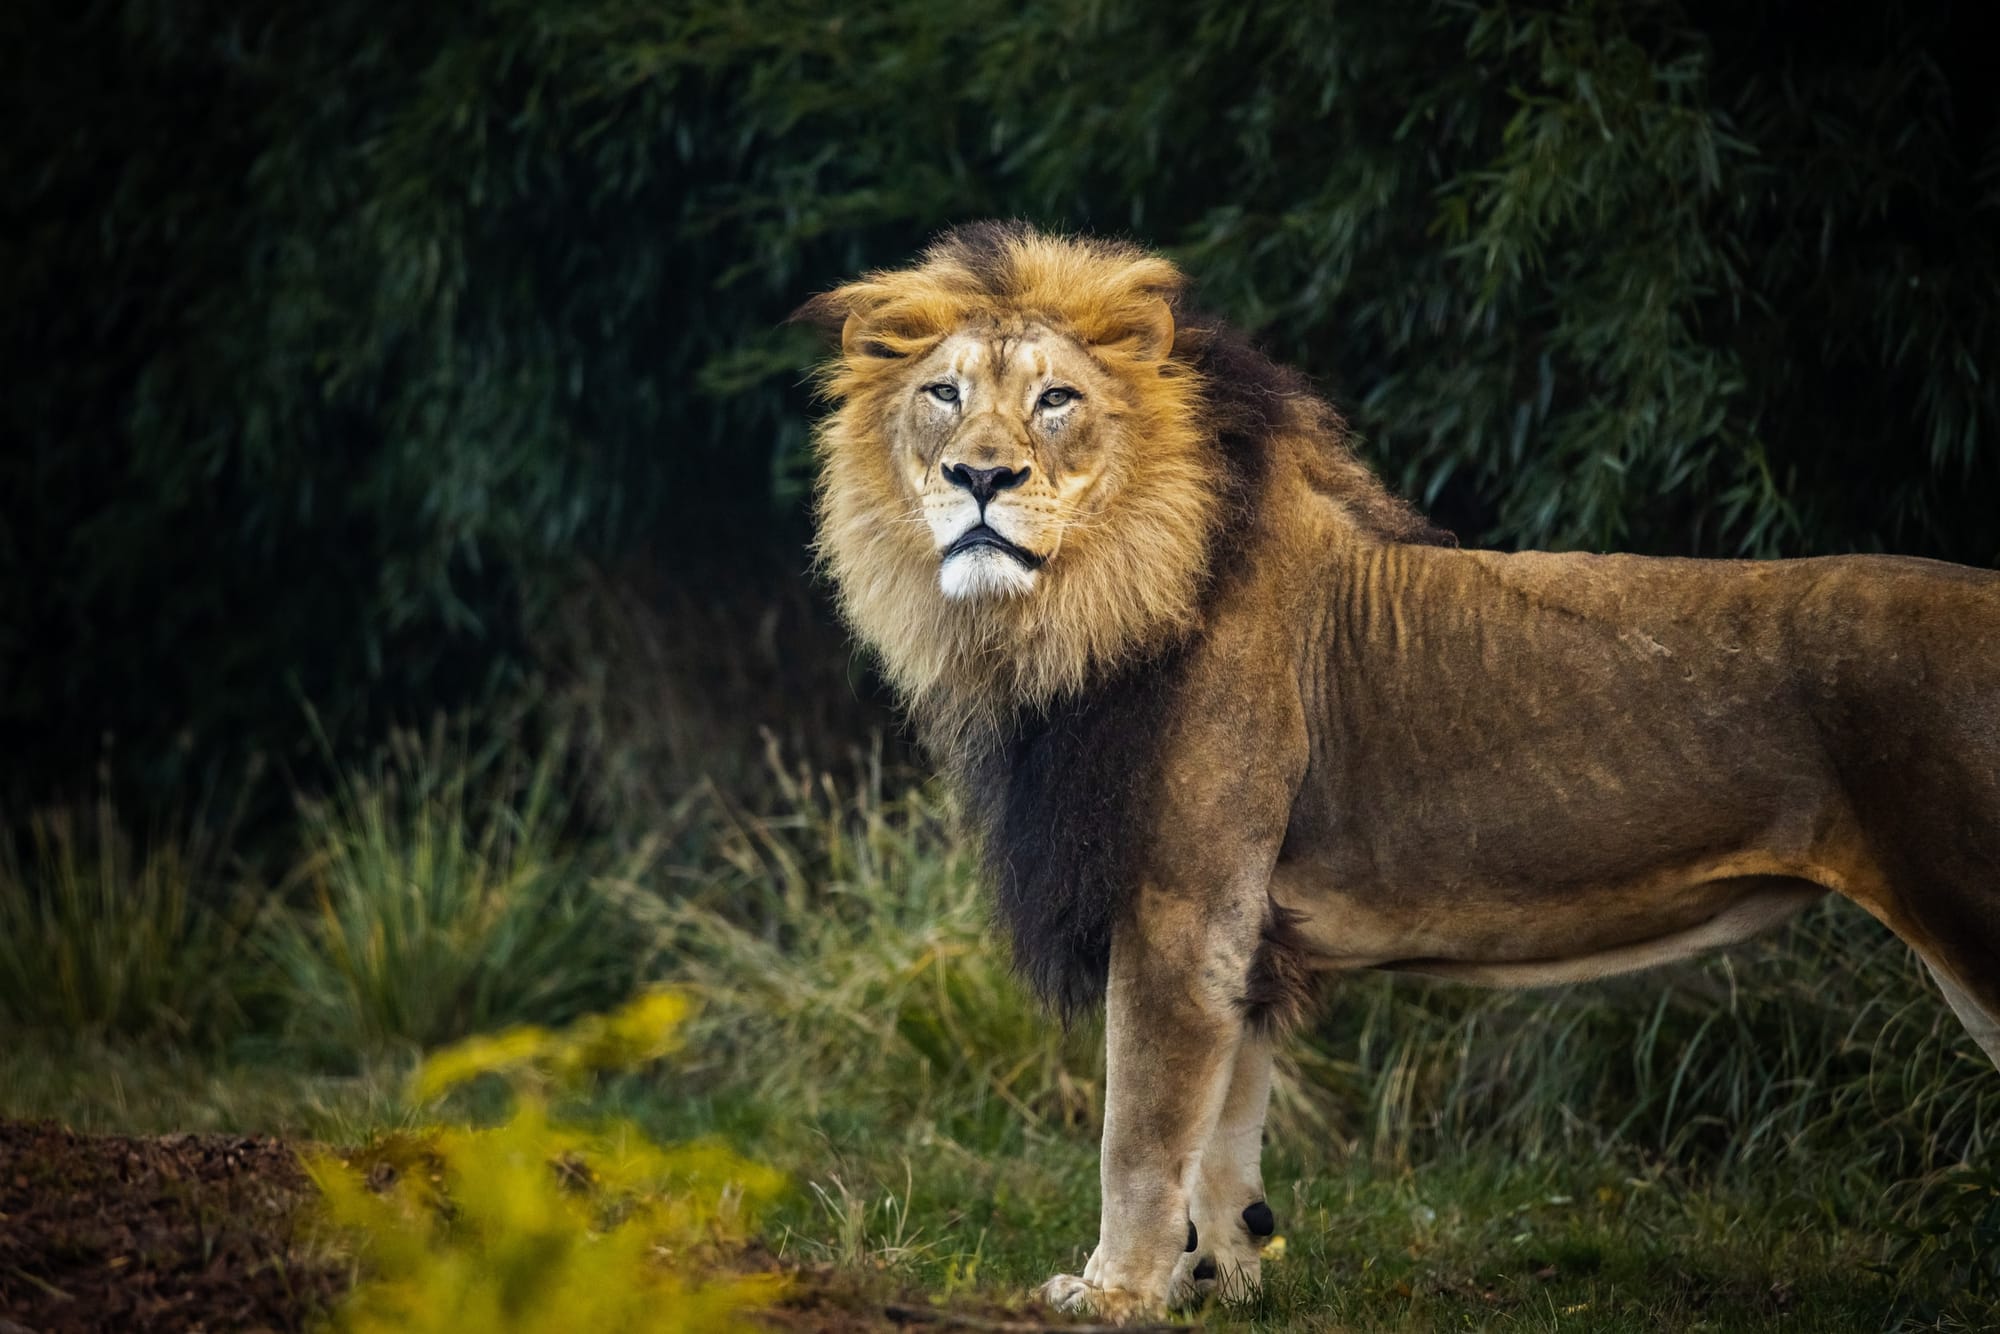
(1008,356)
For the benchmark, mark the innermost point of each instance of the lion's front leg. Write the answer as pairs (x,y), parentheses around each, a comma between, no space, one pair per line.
(1173,1026)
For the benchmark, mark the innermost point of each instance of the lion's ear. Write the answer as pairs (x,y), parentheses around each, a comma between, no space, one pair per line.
(1139,325)
(855,341)
(1143,330)
(1155,334)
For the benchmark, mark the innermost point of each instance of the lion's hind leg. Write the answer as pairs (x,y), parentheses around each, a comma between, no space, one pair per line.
(1231,1220)
(1979,1021)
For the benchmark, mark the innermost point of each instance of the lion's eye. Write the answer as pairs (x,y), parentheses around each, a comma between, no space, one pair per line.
(943,393)
(1055,398)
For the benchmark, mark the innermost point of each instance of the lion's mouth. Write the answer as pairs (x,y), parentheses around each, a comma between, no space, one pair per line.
(979,535)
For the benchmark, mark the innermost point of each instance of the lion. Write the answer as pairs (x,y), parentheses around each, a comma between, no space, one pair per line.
(1230,717)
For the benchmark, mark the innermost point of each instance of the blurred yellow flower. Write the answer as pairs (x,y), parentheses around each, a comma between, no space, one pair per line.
(534,1227)
(644,1030)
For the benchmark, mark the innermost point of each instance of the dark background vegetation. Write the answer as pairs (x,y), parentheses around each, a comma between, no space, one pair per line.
(369,359)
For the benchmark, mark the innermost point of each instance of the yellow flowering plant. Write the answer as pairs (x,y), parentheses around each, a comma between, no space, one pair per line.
(535,1225)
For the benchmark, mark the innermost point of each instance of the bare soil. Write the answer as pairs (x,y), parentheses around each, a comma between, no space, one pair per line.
(207,1233)
(180,1232)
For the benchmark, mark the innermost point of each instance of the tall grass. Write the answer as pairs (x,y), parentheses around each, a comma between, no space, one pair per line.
(440,894)
(1826,1038)
(99,938)
(842,946)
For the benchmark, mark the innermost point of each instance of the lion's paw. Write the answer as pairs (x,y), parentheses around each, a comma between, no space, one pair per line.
(1199,1278)
(1067,1292)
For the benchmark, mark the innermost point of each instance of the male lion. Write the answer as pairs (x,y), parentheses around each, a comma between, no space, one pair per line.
(1230,715)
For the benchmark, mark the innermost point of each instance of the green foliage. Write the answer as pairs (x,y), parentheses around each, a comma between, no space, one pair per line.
(98,939)
(1945,1258)
(541,1225)
(841,946)
(1826,1039)
(436,896)
(344,329)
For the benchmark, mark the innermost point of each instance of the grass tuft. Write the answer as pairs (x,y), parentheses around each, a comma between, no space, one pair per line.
(100,939)
(1825,1039)
(439,895)
(843,951)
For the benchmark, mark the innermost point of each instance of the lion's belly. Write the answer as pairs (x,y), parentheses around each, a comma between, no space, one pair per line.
(1502,940)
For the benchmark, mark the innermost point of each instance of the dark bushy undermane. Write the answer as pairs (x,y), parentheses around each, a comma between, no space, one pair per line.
(1064,794)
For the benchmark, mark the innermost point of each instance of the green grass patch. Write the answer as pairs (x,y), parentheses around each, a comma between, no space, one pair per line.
(1455,1243)
(155,1088)
(104,935)
(439,895)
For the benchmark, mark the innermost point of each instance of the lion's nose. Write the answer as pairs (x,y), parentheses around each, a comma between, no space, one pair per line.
(983,483)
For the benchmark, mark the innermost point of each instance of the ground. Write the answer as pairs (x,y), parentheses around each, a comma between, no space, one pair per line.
(206,1232)
(175,1232)
(185,1232)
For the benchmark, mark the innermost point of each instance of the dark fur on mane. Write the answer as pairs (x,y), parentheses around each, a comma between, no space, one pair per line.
(1063,794)
(1060,800)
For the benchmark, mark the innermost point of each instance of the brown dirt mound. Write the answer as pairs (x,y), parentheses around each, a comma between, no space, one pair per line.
(204,1233)
(183,1232)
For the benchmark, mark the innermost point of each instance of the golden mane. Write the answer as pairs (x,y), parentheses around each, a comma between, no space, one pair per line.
(1127,583)
(1201,409)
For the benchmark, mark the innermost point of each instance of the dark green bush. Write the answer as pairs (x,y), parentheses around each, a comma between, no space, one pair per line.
(339,333)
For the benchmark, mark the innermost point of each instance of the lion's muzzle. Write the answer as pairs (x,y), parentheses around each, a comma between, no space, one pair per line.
(984,483)
(984,562)
(981,536)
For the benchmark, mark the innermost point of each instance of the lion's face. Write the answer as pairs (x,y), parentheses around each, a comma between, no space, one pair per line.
(1016,488)
(1004,440)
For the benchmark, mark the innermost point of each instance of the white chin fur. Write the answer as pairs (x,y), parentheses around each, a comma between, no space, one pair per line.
(984,572)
